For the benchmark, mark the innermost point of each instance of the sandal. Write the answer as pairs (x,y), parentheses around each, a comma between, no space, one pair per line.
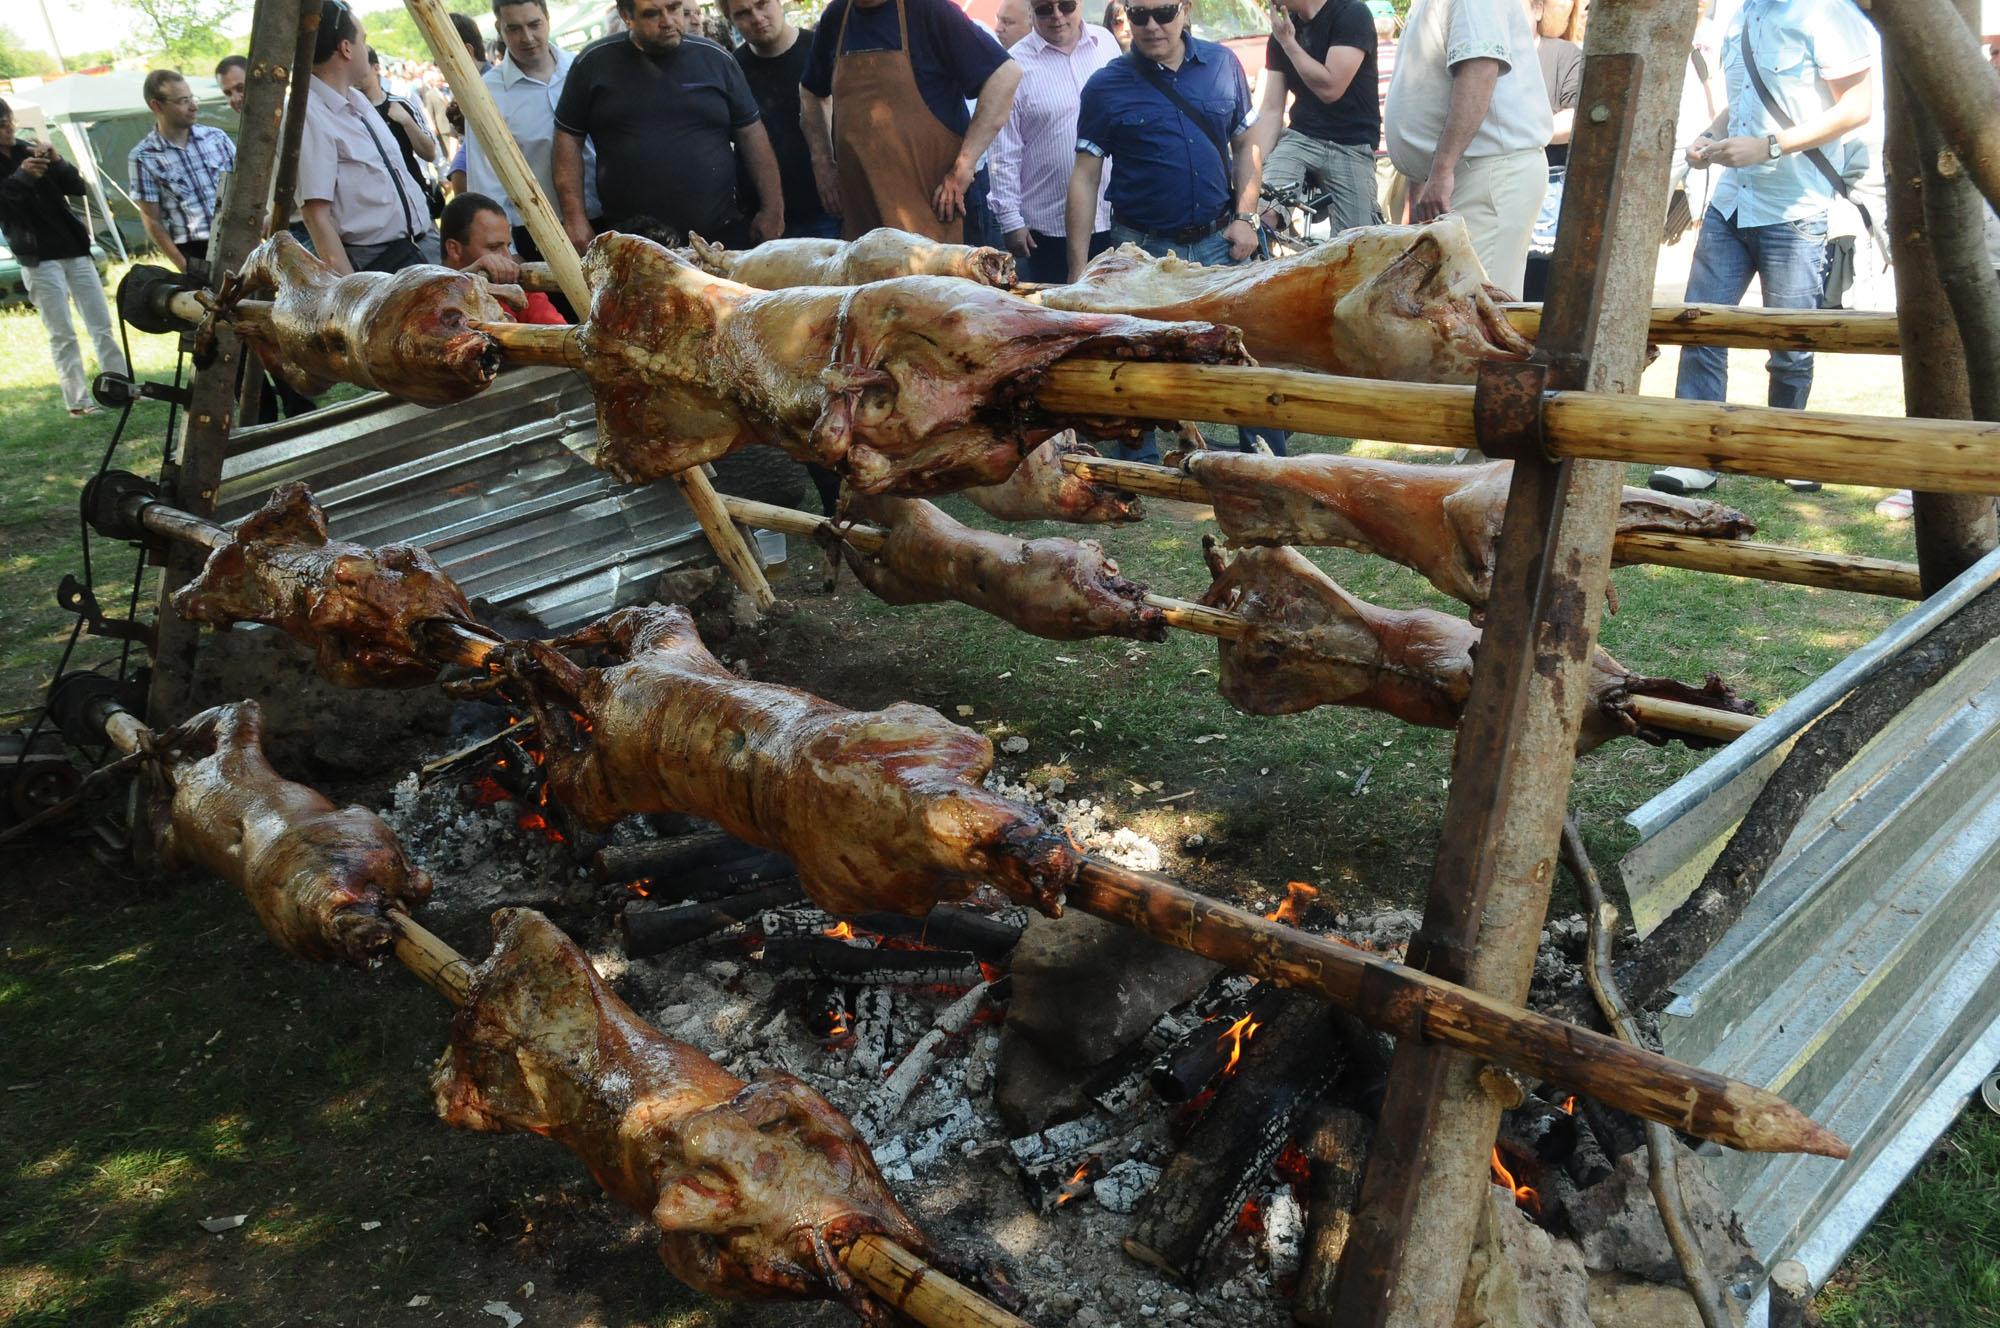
(1896,506)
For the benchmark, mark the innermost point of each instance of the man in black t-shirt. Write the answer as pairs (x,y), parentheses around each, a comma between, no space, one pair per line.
(668,114)
(773,58)
(1322,54)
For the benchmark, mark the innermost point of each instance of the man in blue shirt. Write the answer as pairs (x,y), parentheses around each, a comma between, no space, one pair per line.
(1173,116)
(177,169)
(1768,215)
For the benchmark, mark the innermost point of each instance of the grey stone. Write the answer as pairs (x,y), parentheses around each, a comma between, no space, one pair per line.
(1631,1302)
(1621,1224)
(1030,1091)
(1519,1275)
(1084,989)
(687,585)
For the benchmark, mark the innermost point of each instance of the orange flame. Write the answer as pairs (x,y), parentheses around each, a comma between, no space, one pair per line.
(1569,1105)
(643,887)
(1298,895)
(839,1028)
(841,931)
(1071,1186)
(1524,1195)
(1236,1035)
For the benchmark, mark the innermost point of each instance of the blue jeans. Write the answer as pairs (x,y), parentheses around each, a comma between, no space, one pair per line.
(1789,261)
(1211,252)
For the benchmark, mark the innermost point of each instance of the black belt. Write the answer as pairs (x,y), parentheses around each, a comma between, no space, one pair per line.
(1185,235)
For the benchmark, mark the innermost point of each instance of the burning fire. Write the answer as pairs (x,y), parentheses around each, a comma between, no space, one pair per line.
(1074,1185)
(841,931)
(1250,1218)
(1569,1105)
(1524,1195)
(1298,895)
(1236,1035)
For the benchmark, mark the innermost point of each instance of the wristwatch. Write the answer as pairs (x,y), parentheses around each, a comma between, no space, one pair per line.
(1776,151)
(1249,218)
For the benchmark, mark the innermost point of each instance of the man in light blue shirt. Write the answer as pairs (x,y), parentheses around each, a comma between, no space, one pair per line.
(526,85)
(1768,215)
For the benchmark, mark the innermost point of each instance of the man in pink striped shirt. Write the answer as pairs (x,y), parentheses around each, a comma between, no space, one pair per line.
(1035,151)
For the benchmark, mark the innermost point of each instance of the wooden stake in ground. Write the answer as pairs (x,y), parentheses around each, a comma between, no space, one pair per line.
(484,122)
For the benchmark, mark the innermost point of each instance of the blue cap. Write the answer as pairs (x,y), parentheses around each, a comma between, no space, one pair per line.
(1382,9)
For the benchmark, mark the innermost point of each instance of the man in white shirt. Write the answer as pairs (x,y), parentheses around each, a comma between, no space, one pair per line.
(1466,121)
(363,210)
(526,85)
(1035,151)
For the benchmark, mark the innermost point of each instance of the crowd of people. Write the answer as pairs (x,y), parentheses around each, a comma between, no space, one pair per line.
(1048,133)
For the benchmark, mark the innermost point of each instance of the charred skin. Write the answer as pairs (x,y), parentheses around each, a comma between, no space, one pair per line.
(1058,589)
(406,333)
(1397,302)
(880,255)
(878,810)
(1041,490)
(755,1188)
(321,879)
(1310,644)
(915,385)
(1440,521)
(356,608)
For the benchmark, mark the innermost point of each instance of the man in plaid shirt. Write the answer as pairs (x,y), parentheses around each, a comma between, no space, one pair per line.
(176,170)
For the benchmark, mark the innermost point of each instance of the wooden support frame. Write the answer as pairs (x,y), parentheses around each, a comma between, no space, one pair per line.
(193,477)
(1512,764)
(483,121)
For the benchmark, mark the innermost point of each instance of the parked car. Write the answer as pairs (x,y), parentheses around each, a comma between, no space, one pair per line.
(14,281)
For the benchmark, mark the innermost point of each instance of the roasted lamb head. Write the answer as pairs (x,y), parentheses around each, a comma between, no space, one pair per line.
(1040,489)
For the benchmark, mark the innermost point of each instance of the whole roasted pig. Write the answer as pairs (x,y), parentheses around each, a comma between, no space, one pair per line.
(1400,302)
(1309,643)
(1441,521)
(406,333)
(354,607)
(879,810)
(1041,490)
(882,253)
(1060,589)
(756,1188)
(916,385)
(321,878)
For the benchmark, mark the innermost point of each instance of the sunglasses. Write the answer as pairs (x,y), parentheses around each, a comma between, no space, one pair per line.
(1049,10)
(1162,15)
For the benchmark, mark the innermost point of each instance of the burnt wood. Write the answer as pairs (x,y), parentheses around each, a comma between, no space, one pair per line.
(658,859)
(1191,1064)
(825,959)
(1336,1143)
(649,930)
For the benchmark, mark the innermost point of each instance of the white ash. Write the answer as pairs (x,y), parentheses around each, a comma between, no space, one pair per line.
(1087,821)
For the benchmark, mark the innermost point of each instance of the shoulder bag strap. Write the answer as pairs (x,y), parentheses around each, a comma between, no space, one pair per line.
(1814,155)
(1151,73)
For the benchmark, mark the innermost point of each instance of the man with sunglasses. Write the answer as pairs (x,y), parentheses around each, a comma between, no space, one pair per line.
(176,170)
(1036,149)
(1173,119)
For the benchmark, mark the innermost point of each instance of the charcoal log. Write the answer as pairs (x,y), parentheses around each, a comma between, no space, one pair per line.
(1336,1143)
(1193,1063)
(827,959)
(949,927)
(649,930)
(664,859)
(1284,1071)
(724,879)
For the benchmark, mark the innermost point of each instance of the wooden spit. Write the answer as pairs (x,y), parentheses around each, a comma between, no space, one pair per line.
(1745,558)
(1835,331)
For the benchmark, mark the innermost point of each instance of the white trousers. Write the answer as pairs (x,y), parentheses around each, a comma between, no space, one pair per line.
(53,284)
(1499,197)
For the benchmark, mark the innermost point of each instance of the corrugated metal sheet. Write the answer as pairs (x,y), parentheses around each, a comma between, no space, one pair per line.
(497,488)
(1863,982)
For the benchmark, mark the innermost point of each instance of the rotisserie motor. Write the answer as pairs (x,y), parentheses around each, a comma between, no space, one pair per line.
(1061,589)
(1399,302)
(1041,490)
(917,385)
(1310,643)
(879,810)
(406,333)
(882,253)
(1442,521)
(354,607)
(321,878)
(756,1188)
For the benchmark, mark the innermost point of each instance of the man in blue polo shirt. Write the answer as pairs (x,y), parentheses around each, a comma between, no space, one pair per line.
(1173,118)
(1768,215)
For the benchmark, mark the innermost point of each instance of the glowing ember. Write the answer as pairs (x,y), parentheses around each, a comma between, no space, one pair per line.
(1569,1105)
(1251,1218)
(1524,1195)
(1297,896)
(1236,1035)
(643,887)
(1293,1165)
(841,931)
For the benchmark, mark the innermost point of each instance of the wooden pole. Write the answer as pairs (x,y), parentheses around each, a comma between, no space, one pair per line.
(1839,331)
(483,120)
(920,1291)
(1937,55)
(1745,558)
(1189,616)
(1419,1009)
(284,190)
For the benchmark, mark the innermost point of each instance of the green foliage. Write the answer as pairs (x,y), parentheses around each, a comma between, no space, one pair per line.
(18,59)
(185,34)
(393,33)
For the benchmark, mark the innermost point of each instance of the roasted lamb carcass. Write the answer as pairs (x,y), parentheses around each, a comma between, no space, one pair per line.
(879,810)
(321,878)
(355,607)
(1040,489)
(406,333)
(917,385)
(1441,521)
(1309,643)
(756,1188)
(882,253)
(1061,589)
(1400,302)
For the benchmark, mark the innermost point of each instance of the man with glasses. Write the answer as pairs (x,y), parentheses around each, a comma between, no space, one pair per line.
(1173,119)
(1035,150)
(176,170)
(1322,56)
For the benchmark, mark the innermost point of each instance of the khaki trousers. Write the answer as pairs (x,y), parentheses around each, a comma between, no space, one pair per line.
(1499,197)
